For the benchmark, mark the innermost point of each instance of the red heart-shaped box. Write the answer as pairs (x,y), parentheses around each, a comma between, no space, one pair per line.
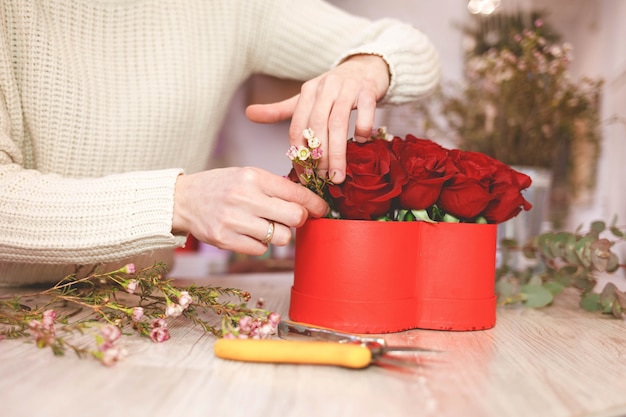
(381,277)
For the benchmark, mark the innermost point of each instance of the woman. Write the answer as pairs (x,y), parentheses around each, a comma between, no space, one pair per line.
(109,110)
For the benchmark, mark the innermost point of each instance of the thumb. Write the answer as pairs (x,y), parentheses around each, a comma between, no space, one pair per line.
(272,112)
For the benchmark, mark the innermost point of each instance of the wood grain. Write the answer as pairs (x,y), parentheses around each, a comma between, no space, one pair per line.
(556,361)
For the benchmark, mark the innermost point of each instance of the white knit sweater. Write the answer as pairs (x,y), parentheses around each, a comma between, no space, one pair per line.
(103,103)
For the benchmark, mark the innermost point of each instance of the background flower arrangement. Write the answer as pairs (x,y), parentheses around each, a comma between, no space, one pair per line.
(108,305)
(519,105)
(391,178)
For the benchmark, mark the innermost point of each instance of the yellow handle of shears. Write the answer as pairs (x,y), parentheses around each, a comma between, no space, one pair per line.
(294,351)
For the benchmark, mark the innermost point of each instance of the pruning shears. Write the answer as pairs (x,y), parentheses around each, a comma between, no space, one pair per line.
(304,344)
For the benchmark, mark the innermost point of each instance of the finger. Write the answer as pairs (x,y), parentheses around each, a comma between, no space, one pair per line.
(300,118)
(366,113)
(326,95)
(253,237)
(243,244)
(291,198)
(269,232)
(338,125)
(272,112)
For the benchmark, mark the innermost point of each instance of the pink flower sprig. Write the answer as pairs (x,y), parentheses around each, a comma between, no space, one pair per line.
(259,325)
(306,160)
(122,303)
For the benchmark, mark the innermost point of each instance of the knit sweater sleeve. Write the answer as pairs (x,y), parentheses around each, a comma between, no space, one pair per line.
(84,221)
(304,38)
(81,221)
(49,219)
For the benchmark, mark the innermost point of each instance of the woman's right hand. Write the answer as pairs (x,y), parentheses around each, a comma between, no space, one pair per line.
(232,208)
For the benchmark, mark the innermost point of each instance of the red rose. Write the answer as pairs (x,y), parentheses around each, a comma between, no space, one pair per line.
(373,179)
(483,186)
(467,194)
(424,162)
(508,201)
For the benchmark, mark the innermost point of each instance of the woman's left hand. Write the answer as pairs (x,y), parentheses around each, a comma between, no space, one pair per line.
(325,104)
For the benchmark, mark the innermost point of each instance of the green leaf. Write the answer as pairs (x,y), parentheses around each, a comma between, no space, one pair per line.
(583,251)
(535,280)
(584,282)
(554,287)
(448,218)
(590,302)
(543,243)
(508,243)
(613,263)
(409,217)
(608,296)
(529,252)
(536,296)
(558,243)
(617,309)
(422,215)
(564,275)
(598,226)
(569,250)
(504,288)
(481,220)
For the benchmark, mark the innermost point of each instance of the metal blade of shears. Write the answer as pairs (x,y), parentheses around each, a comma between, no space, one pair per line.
(377,345)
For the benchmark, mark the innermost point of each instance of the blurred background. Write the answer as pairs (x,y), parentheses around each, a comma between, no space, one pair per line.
(566,126)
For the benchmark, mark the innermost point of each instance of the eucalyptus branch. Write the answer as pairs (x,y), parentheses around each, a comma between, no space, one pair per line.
(559,260)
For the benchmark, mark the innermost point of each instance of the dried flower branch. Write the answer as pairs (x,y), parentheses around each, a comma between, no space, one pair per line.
(520,104)
(107,305)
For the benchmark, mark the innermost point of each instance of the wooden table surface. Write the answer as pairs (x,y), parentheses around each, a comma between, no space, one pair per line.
(556,361)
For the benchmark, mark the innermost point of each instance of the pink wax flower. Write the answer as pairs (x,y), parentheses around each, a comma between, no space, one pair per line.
(131,286)
(137,313)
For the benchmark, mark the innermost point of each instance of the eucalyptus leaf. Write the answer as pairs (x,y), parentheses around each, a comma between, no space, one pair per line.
(598,226)
(536,296)
(599,252)
(557,244)
(529,252)
(504,288)
(590,302)
(554,287)
(564,275)
(569,250)
(608,297)
(582,250)
(543,244)
(584,283)
(508,243)
(617,309)
(535,280)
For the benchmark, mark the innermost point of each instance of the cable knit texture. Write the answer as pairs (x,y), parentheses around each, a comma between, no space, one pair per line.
(103,103)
